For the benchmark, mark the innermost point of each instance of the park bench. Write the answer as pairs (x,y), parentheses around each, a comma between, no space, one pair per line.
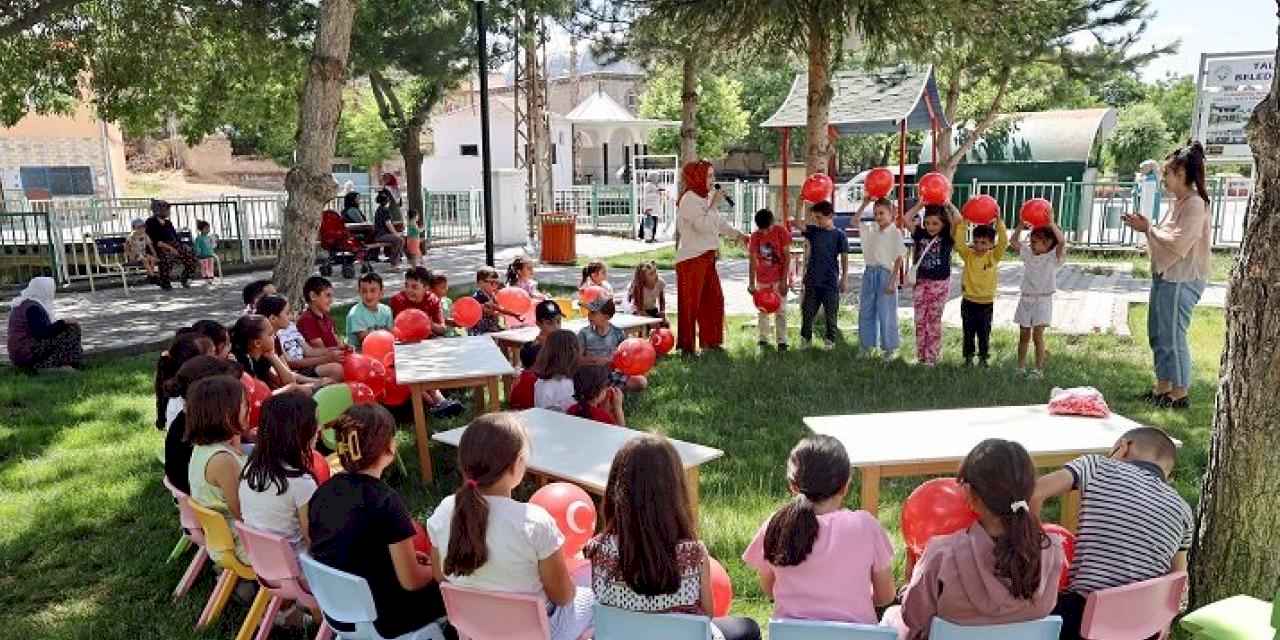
(108,256)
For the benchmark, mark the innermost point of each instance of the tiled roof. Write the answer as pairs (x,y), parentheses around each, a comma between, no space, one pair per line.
(867,102)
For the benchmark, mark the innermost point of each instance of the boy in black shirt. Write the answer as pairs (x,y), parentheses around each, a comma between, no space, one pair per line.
(824,281)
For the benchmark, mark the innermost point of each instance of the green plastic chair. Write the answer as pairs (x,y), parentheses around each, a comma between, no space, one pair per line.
(1235,618)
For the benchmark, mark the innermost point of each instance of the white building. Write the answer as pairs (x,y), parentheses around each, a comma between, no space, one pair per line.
(455,165)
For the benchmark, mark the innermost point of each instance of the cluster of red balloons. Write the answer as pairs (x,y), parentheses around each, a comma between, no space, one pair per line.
(878,183)
(1037,212)
(635,356)
(767,300)
(371,375)
(816,188)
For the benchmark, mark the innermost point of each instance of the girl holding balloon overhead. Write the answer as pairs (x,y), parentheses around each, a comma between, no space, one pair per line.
(483,539)
(1042,254)
(931,272)
(648,558)
(816,559)
(1002,569)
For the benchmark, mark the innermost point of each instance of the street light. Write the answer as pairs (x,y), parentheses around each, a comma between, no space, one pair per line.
(486,167)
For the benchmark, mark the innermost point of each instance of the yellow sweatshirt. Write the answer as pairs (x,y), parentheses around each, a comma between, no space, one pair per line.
(981,271)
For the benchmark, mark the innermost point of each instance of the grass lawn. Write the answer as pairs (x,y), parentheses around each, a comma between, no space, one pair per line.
(665,258)
(85,525)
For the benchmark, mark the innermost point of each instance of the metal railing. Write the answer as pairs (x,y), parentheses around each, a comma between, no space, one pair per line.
(452,217)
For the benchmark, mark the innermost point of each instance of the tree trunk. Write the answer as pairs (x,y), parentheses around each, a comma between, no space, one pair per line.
(689,109)
(310,182)
(817,141)
(411,151)
(1238,530)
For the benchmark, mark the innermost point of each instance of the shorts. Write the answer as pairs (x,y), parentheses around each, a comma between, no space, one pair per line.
(1034,311)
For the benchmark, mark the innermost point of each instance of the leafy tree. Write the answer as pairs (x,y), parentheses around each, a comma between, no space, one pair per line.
(1175,97)
(1140,134)
(721,120)
(362,135)
(766,81)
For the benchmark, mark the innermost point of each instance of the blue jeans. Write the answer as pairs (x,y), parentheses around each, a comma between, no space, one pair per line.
(1167,322)
(878,311)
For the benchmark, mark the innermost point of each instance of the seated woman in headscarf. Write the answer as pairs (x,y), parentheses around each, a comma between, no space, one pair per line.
(37,339)
(351,213)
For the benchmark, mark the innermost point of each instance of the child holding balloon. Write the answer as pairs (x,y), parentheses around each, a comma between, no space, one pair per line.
(596,398)
(1002,569)
(418,295)
(520,274)
(1043,253)
(487,283)
(981,276)
(769,269)
(931,271)
(596,274)
(483,539)
(816,559)
(883,252)
(359,524)
(600,340)
(648,558)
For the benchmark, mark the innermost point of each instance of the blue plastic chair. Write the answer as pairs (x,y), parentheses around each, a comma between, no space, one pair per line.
(1043,629)
(612,623)
(345,599)
(817,630)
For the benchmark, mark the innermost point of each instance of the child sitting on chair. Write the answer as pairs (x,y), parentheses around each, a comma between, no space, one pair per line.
(596,398)
(600,339)
(1135,473)
(138,248)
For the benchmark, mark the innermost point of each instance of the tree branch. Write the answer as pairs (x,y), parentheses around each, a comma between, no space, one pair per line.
(992,113)
(36,15)
(381,91)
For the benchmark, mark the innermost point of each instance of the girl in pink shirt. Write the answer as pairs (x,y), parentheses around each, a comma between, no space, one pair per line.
(816,559)
(1002,569)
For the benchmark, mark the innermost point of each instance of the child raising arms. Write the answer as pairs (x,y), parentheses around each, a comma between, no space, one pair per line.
(1042,254)
(931,249)
(816,559)
(483,539)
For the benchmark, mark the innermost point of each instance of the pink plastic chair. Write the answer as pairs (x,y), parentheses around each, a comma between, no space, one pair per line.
(490,615)
(1134,611)
(191,529)
(279,573)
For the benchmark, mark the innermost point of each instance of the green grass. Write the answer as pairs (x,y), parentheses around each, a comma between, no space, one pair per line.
(85,525)
(665,257)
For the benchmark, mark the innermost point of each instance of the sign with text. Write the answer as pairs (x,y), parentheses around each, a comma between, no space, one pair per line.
(1229,87)
(1256,71)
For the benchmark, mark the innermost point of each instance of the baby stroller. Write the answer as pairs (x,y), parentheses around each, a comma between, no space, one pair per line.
(341,247)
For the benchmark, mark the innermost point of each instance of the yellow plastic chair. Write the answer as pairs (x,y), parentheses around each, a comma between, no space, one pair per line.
(221,543)
(568,306)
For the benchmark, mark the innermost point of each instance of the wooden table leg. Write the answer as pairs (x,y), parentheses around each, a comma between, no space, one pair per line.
(495,403)
(870,490)
(691,481)
(477,400)
(507,383)
(1071,511)
(423,431)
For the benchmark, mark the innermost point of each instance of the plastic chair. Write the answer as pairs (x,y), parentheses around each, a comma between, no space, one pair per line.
(344,598)
(191,531)
(218,538)
(1043,629)
(612,623)
(276,566)
(816,630)
(1133,611)
(490,615)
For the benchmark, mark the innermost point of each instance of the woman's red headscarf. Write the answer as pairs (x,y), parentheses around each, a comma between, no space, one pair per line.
(693,177)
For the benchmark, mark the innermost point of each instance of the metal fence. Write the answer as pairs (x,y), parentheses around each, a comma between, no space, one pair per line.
(452,217)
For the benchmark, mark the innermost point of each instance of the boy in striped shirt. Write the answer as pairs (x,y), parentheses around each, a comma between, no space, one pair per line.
(1133,525)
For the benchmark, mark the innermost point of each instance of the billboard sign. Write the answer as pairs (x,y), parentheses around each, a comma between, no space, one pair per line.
(1229,87)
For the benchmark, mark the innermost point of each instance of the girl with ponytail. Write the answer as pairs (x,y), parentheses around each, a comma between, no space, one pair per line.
(359,524)
(483,539)
(816,559)
(1002,569)
(1179,249)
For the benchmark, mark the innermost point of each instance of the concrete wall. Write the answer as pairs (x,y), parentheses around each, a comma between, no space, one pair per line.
(448,170)
(77,139)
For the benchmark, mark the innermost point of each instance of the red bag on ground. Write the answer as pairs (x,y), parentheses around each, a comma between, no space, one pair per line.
(1078,401)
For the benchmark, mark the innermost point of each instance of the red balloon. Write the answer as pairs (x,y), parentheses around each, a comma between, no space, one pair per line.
(377,379)
(398,334)
(1068,549)
(573,510)
(981,209)
(721,589)
(935,508)
(634,357)
(662,340)
(379,343)
(591,293)
(413,325)
(356,367)
(935,188)
(1037,212)
(467,312)
(319,467)
(878,183)
(817,187)
(420,540)
(394,395)
(257,392)
(361,393)
(389,360)
(767,300)
(515,300)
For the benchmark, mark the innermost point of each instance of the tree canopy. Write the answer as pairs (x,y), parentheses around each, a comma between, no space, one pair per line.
(721,120)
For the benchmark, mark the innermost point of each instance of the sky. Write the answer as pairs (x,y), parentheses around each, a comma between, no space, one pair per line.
(1208,26)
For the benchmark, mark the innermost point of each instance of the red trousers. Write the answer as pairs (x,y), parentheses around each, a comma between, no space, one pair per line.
(700,303)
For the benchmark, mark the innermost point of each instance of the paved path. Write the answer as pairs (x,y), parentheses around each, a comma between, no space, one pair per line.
(1090,299)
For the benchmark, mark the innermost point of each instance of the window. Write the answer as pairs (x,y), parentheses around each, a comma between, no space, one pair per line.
(632,99)
(59,181)
(553,154)
(469,150)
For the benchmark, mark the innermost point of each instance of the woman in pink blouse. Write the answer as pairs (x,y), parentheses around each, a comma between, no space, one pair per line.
(1179,248)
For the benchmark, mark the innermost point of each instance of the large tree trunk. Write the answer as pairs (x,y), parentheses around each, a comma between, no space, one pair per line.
(1238,531)
(411,151)
(689,108)
(817,141)
(310,182)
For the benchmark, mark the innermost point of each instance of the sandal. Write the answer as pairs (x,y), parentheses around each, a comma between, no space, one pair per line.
(1181,404)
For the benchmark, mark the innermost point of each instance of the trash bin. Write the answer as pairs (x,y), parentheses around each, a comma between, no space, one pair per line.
(559,237)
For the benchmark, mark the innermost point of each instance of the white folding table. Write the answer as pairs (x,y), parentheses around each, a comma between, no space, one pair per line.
(512,339)
(914,443)
(449,363)
(581,451)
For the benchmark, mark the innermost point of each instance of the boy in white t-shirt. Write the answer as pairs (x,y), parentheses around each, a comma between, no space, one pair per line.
(1044,252)
(883,252)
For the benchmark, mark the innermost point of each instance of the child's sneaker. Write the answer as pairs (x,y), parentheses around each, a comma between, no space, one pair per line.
(447,409)
(763,344)
(982,362)
(828,345)
(968,362)
(782,346)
